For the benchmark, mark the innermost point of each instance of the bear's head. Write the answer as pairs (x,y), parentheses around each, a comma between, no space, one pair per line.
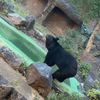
(51,41)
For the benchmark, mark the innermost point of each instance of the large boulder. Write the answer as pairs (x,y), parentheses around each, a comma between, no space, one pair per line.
(30,21)
(15,18)
(9,6)
(16,96)
(20,22)
(69,10)
(7,91)
(38,35)
(5,88)
(91,81)
(39,76)
(95,62)
(1,5)
(24,91)
(5,20)
(97,41)
(10,57)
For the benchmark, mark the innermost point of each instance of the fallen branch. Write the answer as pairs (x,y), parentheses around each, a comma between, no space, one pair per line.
(90,42)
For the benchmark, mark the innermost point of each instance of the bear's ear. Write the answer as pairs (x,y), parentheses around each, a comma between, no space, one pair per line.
(57,39)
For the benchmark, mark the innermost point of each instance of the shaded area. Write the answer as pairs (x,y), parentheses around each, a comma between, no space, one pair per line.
(57,21)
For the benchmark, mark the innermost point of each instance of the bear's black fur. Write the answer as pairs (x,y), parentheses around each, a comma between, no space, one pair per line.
(57,55)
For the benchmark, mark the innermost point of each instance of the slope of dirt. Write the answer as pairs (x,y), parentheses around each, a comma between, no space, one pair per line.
(35,7)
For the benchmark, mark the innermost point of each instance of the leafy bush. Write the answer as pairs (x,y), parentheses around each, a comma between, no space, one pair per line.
(97,84)
(72,42)
(92,93)
(84,68)
(60,96)
(88,9)
(55,95)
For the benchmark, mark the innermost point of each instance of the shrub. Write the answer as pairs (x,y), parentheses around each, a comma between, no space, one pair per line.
(72,42)
(84,68)
(88,9)
(60,96)
(92,93)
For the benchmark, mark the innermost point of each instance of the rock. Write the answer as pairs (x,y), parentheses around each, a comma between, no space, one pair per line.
(9,6)
(79,77)
(18,81)
(93,48)
(19,21)
(94,51)
(5,20)
(5,88)
(80,87)
(91,25)
(85,31)
(10,57)
(98,36)
(39,35)
(7,91)
(1,5)
(30,22)
(17,96)
(69,9)
(82,39)
(97,41)
(95,62)
(90,81)
(39,76)
(15,18)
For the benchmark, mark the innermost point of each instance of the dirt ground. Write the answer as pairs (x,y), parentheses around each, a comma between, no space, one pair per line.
(35,7)
(57,21)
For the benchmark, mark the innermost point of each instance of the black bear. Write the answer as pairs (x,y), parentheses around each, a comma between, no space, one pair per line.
(66,63)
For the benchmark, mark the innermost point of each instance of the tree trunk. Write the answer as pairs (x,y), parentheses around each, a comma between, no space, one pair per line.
(90,42)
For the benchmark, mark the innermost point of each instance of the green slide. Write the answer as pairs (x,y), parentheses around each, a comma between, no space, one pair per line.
(30,52)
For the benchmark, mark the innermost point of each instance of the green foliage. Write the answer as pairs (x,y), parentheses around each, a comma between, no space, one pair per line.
(75,96)
(60,96)
(88,9)
(1,2)
(97,84)
(92,93)
(18,7)
(84,68)
(72,42)
(57,96)
(4,12)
